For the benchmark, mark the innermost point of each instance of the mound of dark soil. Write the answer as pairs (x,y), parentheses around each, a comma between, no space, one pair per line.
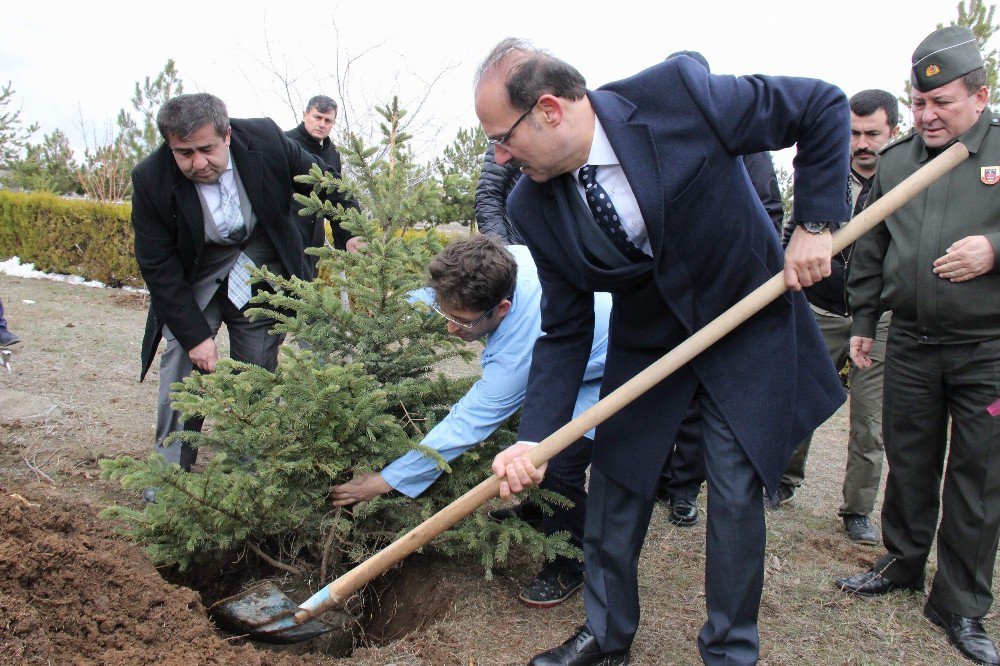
(71,592)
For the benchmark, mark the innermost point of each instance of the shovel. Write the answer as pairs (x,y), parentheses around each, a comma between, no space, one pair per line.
(268,614)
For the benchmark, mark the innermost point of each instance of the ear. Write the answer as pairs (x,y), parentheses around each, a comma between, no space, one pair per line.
(982,97)
(552,109)
(229,133)
(305,114)
(503,308)
(894,132)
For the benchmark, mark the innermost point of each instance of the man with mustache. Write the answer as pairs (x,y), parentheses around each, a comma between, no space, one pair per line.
(874,123)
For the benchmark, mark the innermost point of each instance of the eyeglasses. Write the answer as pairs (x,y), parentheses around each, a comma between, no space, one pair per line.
(458,322)
(506,137)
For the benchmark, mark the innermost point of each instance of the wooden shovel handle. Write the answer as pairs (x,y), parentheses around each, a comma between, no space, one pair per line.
(338,591)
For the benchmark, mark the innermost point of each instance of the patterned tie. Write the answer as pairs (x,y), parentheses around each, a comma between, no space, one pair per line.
(231,213)
(606,215)
(239,280)
(239,274)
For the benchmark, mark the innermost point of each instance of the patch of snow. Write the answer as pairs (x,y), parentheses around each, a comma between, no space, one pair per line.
(13,266)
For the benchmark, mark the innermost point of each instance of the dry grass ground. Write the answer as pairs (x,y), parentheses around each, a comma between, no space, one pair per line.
(73,399)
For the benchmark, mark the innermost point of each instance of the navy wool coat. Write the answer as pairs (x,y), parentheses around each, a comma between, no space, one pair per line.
(679,132)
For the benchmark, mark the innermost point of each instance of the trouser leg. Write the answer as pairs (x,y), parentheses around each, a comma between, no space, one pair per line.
(685,469)
(970,503)
(616,524)
(836,332)
(566,475)
(175,365)
(734,546)
(865,450)
(914,418)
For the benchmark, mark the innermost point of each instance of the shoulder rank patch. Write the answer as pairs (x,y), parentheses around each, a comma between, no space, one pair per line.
(990,175)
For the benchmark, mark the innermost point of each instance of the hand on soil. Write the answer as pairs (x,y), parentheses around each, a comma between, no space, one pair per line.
(359,489)
(516,472)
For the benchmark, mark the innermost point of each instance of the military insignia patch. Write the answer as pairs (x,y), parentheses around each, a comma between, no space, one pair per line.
(990,175)
(932,70)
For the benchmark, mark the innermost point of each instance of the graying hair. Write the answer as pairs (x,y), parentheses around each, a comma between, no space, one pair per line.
(182,116)
(534,73)
(322,103)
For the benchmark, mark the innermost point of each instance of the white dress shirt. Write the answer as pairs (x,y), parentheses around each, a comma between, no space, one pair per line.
(612,178)
(212,193)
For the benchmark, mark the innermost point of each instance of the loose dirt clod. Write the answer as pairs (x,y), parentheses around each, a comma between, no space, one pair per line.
(70,592)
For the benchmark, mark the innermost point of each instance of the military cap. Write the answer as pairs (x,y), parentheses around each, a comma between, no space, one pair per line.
(943,56)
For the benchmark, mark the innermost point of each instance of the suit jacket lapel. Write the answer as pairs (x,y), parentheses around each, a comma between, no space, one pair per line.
(189,207)
(250,166)
(633,144)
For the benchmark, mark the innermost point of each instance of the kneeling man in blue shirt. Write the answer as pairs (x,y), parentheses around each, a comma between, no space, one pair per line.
(486,290)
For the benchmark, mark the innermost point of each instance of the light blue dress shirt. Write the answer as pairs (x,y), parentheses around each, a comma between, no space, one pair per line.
(500,391)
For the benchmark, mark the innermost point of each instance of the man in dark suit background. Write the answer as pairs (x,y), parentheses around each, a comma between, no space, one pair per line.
(313,134)
(684,238)
(211,202)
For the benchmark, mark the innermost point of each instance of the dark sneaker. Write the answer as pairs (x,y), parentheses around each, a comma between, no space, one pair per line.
(7,338)
(529,512)
(785,494)
(551,587)
(683,513)
(861,530)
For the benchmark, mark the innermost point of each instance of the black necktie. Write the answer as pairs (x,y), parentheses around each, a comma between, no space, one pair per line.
(606,216)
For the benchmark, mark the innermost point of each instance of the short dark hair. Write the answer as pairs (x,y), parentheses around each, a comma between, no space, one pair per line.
(974,80)
(473,274)
(321,103)
(532,74)
(184,115)
(867,102)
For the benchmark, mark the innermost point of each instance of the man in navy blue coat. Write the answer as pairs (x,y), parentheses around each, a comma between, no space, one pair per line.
(683,238)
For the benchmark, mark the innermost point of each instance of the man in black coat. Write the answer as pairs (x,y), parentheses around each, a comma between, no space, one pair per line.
(313,134)
(210,203)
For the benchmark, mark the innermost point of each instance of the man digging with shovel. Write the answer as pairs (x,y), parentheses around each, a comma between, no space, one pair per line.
(638,189)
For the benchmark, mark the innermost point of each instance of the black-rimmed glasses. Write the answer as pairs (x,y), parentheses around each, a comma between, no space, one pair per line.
(506,137)
(458,322)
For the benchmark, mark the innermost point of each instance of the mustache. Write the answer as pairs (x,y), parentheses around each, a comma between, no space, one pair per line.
(864,151)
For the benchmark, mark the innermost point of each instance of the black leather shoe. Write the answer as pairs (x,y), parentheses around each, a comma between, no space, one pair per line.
(149,495)
(683,513)
(529,512)
(873,584)
(581,650)
(965,633)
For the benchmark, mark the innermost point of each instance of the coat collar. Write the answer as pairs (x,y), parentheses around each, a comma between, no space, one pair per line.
(634,146)
(249,164)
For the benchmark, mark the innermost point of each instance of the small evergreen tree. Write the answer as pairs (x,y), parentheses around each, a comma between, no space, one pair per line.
(48,166)
(459,174)
(13,134)
(362,393)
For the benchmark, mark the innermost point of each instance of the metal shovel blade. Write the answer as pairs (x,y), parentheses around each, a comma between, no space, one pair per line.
(266,614)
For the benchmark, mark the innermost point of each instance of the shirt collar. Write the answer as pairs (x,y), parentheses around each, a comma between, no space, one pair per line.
(601,152)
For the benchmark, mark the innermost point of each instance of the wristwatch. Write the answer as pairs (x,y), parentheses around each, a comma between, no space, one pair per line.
(814,227)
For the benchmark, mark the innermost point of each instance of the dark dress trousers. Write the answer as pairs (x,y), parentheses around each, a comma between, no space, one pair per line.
(679,133)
